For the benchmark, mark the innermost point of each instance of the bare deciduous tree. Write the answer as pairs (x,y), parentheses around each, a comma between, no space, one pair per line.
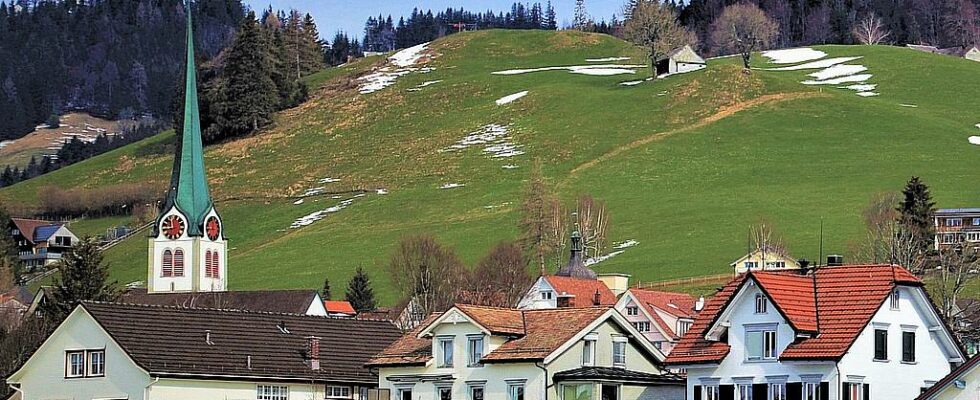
(871,30)
(880,218)
(500,278)
(654,26)
(592,221)
(559,231)
(429,275)
(743,28)
(536,222)
(957,269)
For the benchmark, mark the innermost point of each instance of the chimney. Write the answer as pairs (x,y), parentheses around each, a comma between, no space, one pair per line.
(618,283)
(313,352)
(699,305)
(835,260)
(804,266)
(596,298)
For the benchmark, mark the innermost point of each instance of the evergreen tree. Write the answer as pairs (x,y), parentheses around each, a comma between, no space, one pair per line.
(82,276)
(536,219)
(916,211)
(359,294)
(581,21)
(311,54)
(325,292)
(247,95)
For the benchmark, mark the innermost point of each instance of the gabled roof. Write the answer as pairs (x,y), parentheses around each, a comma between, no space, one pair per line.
(171,341)
(339,307)
(537,334)
(277,301)
(935,390)
(581,291)
(44,232)
(28,226)
(833,303)
(680,305)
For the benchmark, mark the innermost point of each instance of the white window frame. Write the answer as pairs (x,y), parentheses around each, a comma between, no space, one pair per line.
(811,390)
(895,299)
(761,304)
(90,370)
(769,334)
(619,347)
(588,350)
(561,389)
(683,327)
(710,392)
(513,386)
(474,343)
(471,387)
(401,390)
(743,390)
(954,222)
(642,326)
(332,394)
(776,391)
(70,364)
(547,295)
(751,265)
(440,389)
(632,310)
(271,392)
(446,358)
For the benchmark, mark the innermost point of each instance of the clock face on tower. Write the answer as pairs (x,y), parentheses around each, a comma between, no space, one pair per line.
(173,227)
(213,228)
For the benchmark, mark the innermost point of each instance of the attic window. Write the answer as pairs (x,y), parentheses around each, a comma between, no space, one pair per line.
(632,310)
(896,298)
(760,303)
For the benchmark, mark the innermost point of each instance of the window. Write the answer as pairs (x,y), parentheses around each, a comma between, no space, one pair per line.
(577,392)
(619,351)
(475,344)
(682,327)
(896,297)
(976,221)
(743,391)
(642,326)
(777,391)
(178,262)
(760,303)
(775,264)
(954,221)
(270,392)
(211,264)
(710,392)
(908,346)
(760,343)
(446,350)
(476,392)
(168,264)
(445,393)
(515,391)
(811,391)
(547,295)
(338,392)
(750,265)
(96,363)
(881,344)
(854,391)
(404,394)
(75,364)
(632,310)
(588,352)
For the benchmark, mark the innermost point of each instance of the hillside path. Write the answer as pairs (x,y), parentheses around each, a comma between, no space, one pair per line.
(721,114)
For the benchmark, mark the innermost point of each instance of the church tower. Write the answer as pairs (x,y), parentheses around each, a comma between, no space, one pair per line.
(188,249)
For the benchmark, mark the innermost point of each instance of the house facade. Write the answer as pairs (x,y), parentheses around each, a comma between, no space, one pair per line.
(662,317)
(476,353)
(126,351)
(963,383)
(680,60)
(574,285)
(956,227)
(763,260)
(40,243)
(852,332)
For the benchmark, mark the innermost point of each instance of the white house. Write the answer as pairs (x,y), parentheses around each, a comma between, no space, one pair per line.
(477,353)
(127,351)
(574,285)
(662,317)
(961,384)
(767,260)
(844,332)
(680,60)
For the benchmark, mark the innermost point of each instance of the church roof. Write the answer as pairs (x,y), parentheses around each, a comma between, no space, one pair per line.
(278,301)
(188,184)
(576,267)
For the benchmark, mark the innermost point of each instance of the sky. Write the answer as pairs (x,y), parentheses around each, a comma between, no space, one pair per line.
(349,15)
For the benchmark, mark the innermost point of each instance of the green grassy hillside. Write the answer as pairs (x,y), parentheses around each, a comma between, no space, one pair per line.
(686,164)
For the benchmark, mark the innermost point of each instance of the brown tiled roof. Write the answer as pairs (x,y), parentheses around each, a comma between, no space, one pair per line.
(583,290)
(680,305)
(27,226)
(543,332)
(171,341)
(277,301)
(846,299)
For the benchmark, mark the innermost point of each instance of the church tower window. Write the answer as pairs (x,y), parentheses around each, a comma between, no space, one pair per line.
(168,264)
(178,262)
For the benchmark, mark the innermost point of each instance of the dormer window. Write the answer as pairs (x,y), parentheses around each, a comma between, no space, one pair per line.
(760,342)
(760,303)
(683,327)
(896,298)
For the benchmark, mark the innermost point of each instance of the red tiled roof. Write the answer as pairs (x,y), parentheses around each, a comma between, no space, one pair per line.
(680,305)
(339,306)
(538,333)
(583,290)
(846,299)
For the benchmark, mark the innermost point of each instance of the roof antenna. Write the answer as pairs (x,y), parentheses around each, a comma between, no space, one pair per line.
(820,254)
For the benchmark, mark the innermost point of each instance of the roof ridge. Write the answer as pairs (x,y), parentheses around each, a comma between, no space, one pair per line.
(231,310)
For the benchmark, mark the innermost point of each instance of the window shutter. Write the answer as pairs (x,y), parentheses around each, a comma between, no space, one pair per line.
(697,392)
(846,395)
(760,391)
(824,390)
(726,392)
(867,391)
(908,346)
(794,391)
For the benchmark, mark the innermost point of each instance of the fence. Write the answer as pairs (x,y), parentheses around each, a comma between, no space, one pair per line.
(720,278)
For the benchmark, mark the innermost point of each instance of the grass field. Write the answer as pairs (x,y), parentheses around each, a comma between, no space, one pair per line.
(685,164)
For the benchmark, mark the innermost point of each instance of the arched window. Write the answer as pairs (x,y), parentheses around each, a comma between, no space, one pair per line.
(207,264)
(168,264)
(215,266)
(178,263)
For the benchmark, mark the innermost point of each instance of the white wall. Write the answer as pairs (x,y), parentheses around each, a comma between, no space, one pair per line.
(654,335)
(533,301)
(170,389)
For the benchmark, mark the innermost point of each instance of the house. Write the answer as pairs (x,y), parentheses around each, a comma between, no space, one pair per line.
(135,351)
(852,332)
(662,317)
(956,227)
(339,308)
(14,304)
(972,54)
(574,285)
(963,383)
(764,259)
(965,322)
(680,60)
(40,243)
(476,352)
(306,302)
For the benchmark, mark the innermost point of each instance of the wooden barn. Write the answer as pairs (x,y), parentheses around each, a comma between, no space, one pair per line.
(680,60)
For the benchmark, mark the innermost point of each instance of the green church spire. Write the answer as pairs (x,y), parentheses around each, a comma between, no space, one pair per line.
(188,183)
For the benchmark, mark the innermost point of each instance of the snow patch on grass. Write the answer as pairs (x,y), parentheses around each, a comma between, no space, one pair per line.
(830,62)
(382,191)
(631,83)
(620,248)
(626,244)
(386,76)
(452,185)
(867,94)
(573,69)
(329,180)
(865,87)
(840,80)
(310,218)
(792,56)
(422,85)
(509,98)
(510,166)
(915,106)
(837,71)
(602,71)
(607,59)
(409,56)
(975,140)
(494,138)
